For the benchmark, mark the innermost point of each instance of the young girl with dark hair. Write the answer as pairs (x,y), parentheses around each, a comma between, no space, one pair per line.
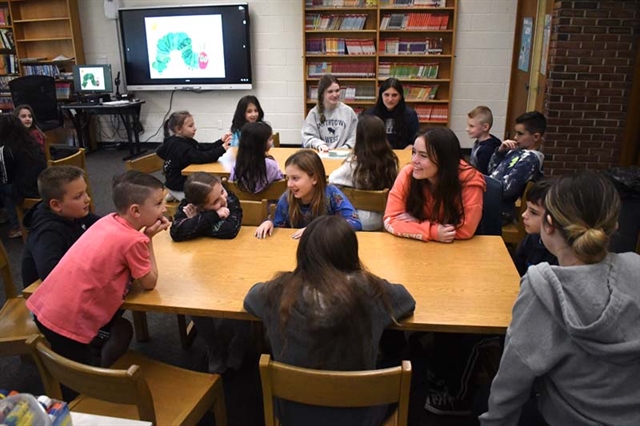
(439,195)
(328,314)
(255,170)
(330,124)
(180,150)
(28,119)
(208,210)
(248,110)
(307,197)
(371,166)
(401,122)
(21,161)
(574,330)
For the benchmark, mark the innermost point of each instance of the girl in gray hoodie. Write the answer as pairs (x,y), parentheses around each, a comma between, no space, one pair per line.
(575,334)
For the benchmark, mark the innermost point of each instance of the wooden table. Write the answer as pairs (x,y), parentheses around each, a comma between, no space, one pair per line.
(223,166)
(467,286)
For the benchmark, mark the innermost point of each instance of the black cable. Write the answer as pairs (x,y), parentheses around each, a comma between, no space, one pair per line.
(163,118)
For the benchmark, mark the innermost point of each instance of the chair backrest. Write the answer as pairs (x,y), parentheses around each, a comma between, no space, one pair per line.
(10,290)
(334,388)
(77,159)
(491,222)
(375,201)
(27,203)
(116,386)
(253,212)
(276,139)
(146,164)
(513,234)
(273,191)
(39,92)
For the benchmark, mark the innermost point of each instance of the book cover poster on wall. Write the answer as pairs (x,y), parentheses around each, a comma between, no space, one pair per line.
(525,44)
(195,51)
(545,44)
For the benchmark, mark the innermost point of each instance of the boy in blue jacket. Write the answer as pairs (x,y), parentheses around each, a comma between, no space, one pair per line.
(516,162)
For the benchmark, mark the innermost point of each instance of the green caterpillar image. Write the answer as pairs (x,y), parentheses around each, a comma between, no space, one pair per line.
(89,77)
(182,43)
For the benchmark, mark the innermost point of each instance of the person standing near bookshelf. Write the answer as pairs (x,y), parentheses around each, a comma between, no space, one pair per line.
(330,124)
(401,122)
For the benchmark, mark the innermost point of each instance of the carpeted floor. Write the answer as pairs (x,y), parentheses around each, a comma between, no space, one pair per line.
(242,388)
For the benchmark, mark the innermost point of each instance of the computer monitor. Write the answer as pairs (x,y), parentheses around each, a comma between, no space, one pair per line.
(92,79)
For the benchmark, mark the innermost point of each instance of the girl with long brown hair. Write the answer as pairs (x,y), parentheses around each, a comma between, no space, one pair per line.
(439,195)
(328,314)
(371,166)
(307,197)
(330,124)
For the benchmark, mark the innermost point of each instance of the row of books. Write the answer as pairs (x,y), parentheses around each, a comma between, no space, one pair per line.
(319,21)
(341,3)
(6,39)
(420,93)
(408,71)
(8,64)
(342,69)
(63,89)
(414,21)
(415,3)
(42,69)
(340,46)
(432,112)
(5,16)
(397,46)
(6,103)
(4,83)
(348,93)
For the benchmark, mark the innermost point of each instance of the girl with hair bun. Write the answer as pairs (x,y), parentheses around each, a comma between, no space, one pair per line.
(575,326)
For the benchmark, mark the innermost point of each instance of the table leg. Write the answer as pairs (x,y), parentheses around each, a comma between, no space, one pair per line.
(140,326)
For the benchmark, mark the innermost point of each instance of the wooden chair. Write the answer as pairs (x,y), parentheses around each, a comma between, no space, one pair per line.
(151,163)
(78,160)
(21,209)
(16,324)
(514,233)
(254,212)
(375,201)
(276,139)
(135,387)
(273,192)
(335,388)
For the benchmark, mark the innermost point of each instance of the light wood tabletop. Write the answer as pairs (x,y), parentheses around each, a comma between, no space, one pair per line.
(466,286)
(223,166)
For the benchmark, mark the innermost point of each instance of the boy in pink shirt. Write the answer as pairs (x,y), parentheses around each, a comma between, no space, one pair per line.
(77,307)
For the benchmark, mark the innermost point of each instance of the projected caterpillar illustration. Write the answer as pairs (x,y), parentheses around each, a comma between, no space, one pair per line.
(182,43)
(89,77)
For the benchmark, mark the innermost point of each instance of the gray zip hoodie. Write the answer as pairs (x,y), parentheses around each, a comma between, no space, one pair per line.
(575,331)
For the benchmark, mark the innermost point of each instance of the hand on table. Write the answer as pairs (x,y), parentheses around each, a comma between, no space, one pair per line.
(446,233)
(406,217)
(296,235)
(264,230)
(323,148)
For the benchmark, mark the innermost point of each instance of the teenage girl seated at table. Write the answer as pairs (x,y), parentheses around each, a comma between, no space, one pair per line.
(572,349)
(330,124)
(180,150)
(400,121)
(307,197)
(439,195)
(328,314)
(371,166)
(255,169)
(248,110)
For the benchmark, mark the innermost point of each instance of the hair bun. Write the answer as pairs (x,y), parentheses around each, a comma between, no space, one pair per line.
(591,244)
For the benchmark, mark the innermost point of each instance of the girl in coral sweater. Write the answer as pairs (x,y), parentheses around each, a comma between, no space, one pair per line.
(439,195)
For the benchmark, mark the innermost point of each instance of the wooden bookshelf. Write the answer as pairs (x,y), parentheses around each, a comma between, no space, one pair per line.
(40,30)
(413,40)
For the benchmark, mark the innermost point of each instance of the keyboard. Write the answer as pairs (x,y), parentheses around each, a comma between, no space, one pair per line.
(115,103)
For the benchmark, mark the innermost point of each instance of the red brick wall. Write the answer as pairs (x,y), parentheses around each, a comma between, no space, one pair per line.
(591,60)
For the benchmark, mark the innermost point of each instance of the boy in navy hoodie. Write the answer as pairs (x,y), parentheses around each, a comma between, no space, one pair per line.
(56,222)
(516,162)
(531,250)
(479,122)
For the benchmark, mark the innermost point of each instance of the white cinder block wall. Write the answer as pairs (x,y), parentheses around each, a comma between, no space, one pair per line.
(481,72)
